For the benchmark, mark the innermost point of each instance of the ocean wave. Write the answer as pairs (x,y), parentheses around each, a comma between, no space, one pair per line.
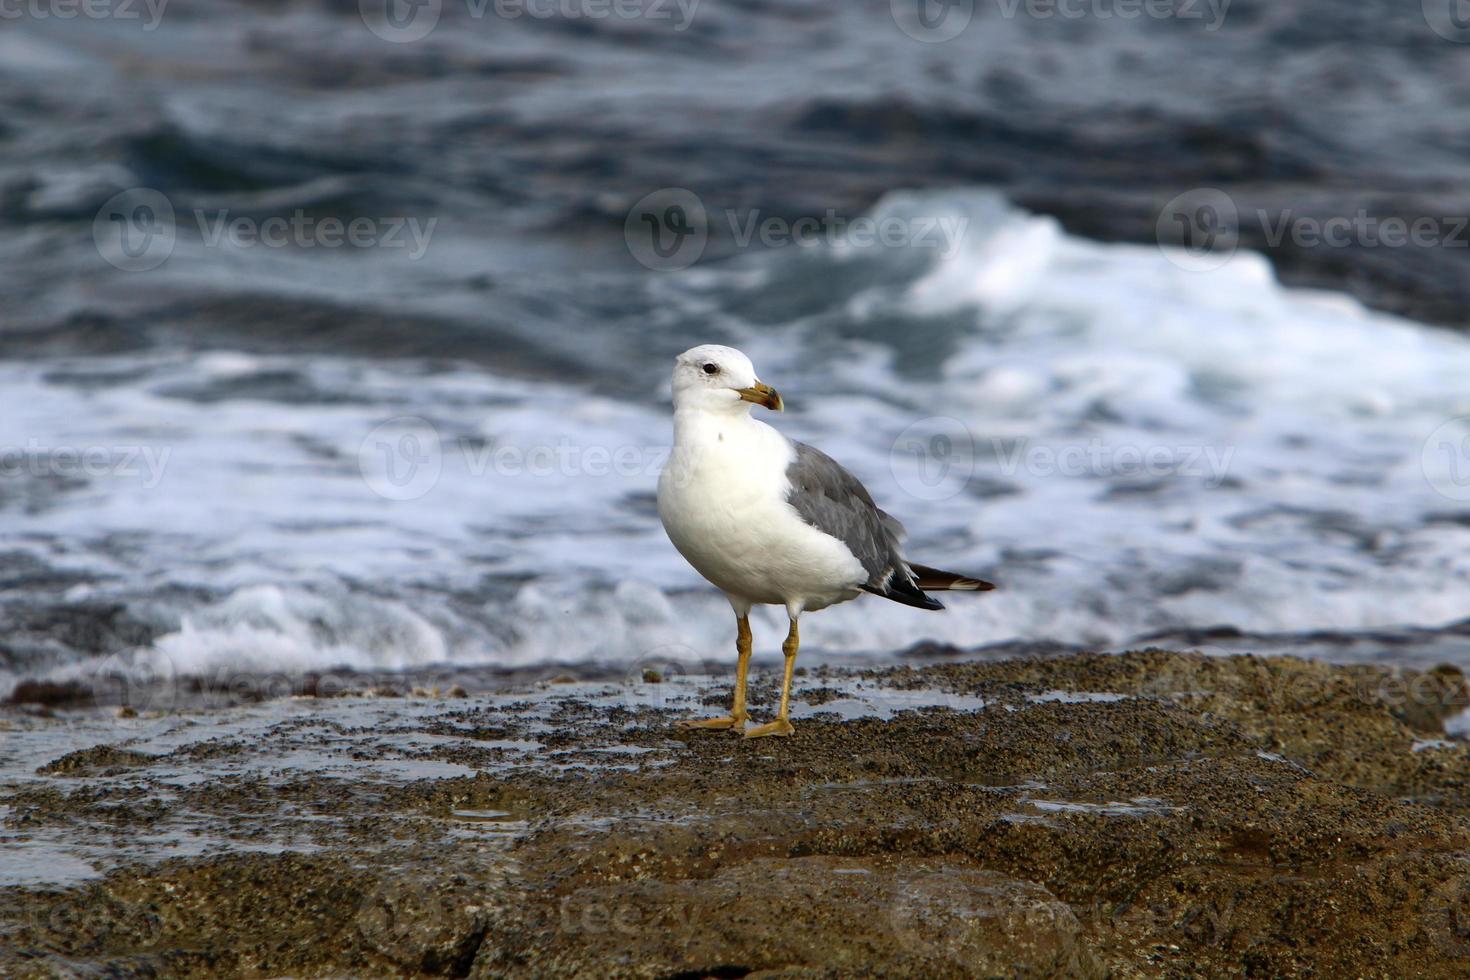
(1125,445)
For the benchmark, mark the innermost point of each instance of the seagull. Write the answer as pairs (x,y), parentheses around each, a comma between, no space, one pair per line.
(769,520)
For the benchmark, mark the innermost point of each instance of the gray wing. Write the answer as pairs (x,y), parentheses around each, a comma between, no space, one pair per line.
(832,500)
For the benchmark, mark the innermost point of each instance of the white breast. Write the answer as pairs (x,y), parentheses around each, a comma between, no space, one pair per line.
(722,499)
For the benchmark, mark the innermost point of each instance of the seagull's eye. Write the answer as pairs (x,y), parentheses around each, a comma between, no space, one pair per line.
(711,369)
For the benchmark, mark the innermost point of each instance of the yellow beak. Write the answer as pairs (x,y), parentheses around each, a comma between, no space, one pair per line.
(762,394)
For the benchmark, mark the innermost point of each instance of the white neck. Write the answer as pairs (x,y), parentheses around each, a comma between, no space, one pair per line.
(690,419)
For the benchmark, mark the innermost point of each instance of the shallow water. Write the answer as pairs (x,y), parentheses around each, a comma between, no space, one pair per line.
(367,744)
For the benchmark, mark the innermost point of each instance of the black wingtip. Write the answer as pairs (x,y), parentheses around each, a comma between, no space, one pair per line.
(907,594)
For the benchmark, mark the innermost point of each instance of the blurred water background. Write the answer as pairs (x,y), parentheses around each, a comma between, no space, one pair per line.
(338,334)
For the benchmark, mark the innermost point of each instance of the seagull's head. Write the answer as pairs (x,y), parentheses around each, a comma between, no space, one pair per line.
(719,379)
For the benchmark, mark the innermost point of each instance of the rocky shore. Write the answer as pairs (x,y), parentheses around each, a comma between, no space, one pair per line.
(1149,814)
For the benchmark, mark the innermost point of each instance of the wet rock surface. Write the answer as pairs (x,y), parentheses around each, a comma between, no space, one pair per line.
(1150,814)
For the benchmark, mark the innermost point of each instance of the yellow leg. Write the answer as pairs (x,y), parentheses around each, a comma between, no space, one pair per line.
(742,669)
(736,718)
(782,724)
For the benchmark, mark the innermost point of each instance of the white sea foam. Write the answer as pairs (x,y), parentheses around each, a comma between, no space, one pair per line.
(1126,446)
